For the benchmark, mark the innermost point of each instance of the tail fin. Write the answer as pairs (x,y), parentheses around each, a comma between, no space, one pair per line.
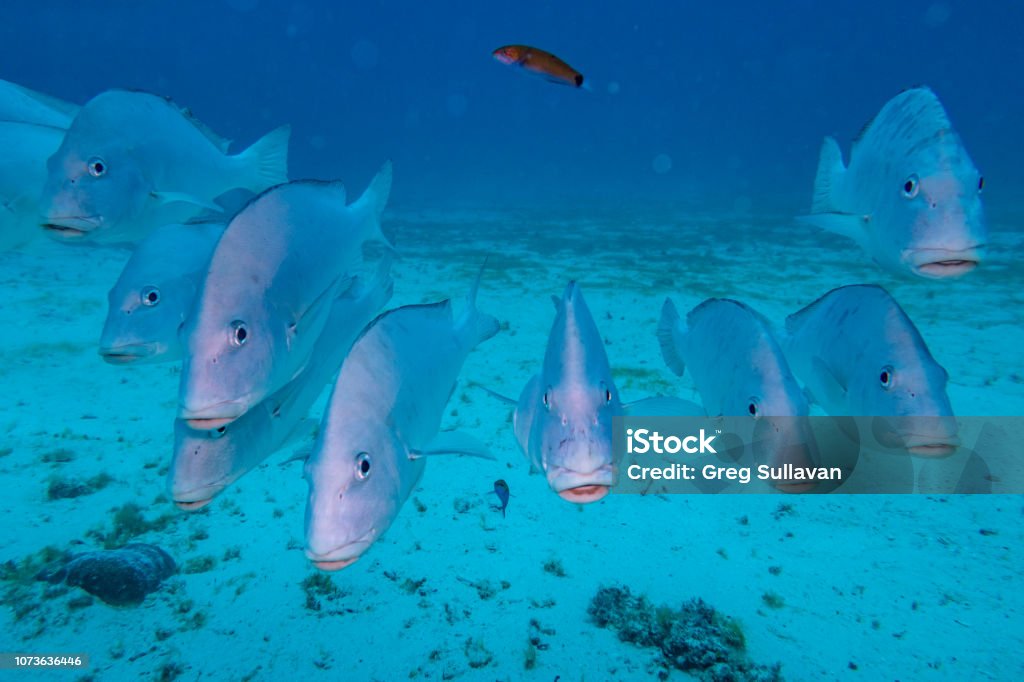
(667,333)
(830,174)
(475,326)
(373,201)
(266,160)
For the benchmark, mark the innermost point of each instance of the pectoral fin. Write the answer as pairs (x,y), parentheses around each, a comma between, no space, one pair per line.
(833,390)
(846,224)
(452,443)
(183,198)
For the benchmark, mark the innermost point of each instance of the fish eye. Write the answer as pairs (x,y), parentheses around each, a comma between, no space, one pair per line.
(886,377)
(754,408)
(97,167)
(981,183)
(607,395)
(546,400)
(910,186)
(239,333)
(150,296)
(363,466)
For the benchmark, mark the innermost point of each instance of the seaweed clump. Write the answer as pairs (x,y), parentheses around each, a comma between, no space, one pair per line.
(694,638)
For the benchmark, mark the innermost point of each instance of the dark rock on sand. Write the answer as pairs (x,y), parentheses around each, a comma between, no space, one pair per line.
(121,577)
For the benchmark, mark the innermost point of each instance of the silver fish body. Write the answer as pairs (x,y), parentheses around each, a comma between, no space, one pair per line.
(563,421)
(156,289)
(383,416)
(269,287)
(740,370)
(132,160)
(26,147)
(911,196)
(859,354)
(21,105)
(206,462)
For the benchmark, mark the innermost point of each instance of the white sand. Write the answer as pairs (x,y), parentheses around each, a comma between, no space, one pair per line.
(902,587)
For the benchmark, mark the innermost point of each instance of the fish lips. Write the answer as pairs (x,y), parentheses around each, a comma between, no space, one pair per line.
(944,263)
(128,353)
(341,557)
(582,487)
(214,416)
(70,227)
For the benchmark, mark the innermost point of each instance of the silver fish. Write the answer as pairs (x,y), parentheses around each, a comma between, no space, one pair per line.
(26,146)
(859,354)
(563,420)
(382,418)
(155,291)
(268,291)
(21,105)
(739,369)
(133,160)
(206,462)
(911,194)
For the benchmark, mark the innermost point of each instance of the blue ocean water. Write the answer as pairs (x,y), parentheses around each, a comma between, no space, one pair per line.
(677,171)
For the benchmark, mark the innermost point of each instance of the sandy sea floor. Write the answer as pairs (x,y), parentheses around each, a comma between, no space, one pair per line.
(871,587)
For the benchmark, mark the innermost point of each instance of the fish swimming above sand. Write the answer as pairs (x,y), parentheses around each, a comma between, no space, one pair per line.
(268,291)
(563,418)
(539,62)
(154,293)
(382,419)
(26,147)
(133,160)
(911,196)
(859,354)
(206,462)
(20,105)
(501,490)
(739,369)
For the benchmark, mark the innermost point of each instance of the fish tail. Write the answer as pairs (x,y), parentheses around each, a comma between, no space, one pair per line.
(668,327)
(830,174)
(475,325)
(267,159)
(373,201)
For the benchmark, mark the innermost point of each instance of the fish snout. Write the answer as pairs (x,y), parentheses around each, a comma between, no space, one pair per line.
(331,557)
(582,486)
(123,354)
(210,417)
(925,436)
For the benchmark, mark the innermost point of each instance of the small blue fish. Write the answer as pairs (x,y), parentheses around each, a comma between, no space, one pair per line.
(501,490)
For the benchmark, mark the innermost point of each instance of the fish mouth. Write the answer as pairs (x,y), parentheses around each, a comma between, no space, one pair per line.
(195,505)
(945,263)
(584,494)
(214,416)
(341,557)
(123,355)
(71,227)
(581,487)
(934,448)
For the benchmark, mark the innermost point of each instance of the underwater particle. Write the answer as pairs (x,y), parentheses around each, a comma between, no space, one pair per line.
(937,14)
(120,577)
(364,54)
(662,164)
(243,5)
(614,88)
(457,104)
